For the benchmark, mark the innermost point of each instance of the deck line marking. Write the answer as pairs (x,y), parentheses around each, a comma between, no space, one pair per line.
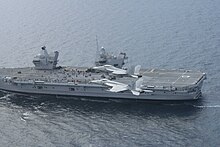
(179,77)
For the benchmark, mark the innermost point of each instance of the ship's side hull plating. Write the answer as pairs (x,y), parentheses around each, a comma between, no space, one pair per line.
(96,91)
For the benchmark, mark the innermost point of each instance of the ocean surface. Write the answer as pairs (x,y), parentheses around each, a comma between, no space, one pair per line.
(154,33)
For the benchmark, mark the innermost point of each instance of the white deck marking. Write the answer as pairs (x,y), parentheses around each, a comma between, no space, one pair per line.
(179,78)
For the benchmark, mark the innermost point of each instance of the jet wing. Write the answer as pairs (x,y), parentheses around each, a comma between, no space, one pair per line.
(119,88)
(119,72)
(115,70)
(149,91)
(99,67)
(115,84)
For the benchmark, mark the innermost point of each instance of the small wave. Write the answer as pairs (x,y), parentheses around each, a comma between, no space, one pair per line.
(25,116)
(22,119)
(172,104)
(211,106)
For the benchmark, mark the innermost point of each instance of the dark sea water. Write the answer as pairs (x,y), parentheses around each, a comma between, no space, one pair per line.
(154,33)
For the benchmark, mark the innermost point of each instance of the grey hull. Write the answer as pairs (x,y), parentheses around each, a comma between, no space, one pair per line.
(95,91)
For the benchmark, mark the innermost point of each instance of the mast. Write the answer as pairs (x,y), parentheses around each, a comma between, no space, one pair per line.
(97,48)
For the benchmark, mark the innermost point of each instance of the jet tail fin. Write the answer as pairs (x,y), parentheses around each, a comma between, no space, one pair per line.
(134,71)
(137,70)
(139,83)
(135,86)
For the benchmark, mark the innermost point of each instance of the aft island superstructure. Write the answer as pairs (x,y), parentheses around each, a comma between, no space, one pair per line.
(102,81)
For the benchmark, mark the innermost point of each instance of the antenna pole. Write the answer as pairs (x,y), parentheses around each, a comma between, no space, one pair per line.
(97,48)
(97,44)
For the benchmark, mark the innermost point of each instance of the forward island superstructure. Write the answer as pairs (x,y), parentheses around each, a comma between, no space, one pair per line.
(105,80)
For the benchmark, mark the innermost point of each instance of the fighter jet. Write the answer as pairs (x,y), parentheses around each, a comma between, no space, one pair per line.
(134,87)
(134,72)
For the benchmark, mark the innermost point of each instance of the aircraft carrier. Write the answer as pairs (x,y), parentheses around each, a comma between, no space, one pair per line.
(107,79)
